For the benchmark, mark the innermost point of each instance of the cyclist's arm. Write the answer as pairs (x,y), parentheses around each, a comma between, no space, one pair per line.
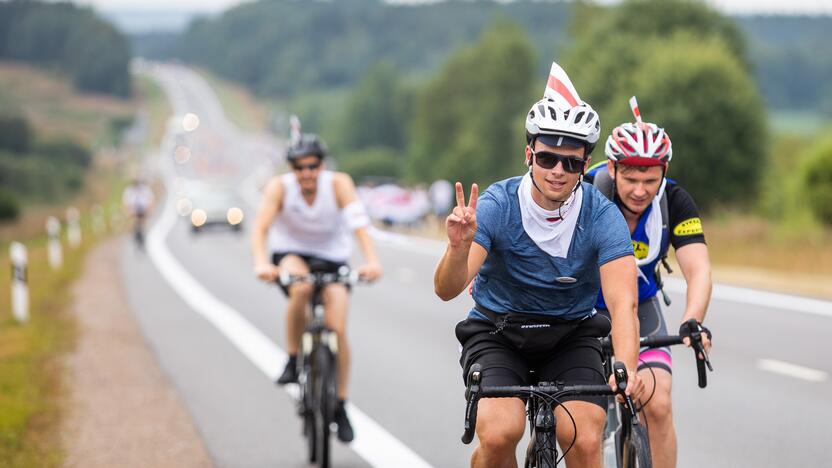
(696,267)
(269,208)
(357,219)
(618,283)
(458,266)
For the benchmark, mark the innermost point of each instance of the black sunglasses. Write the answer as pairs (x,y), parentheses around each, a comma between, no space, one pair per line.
(547,160)
(301,167)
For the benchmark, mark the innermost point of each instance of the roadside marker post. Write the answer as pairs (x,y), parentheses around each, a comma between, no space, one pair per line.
(73,227)
(56,254)
(20,288)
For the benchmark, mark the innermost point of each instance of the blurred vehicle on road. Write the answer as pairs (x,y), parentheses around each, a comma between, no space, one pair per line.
(213,205)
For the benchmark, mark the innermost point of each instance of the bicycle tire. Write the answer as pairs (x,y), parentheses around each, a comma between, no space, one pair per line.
(541,452)
(308,405)
(326,399)
(636,449)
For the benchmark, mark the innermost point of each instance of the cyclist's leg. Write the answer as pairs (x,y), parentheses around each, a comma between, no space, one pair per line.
(336,302)
(655,372)
(500,426)
(589,421)
(577,360)
(299,295)
(500,421)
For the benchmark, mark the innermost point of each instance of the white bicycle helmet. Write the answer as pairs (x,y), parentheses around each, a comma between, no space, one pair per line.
(579,122)
(639,143)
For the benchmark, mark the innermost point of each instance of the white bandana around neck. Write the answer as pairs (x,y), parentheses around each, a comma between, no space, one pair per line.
(653,228)
(553,237)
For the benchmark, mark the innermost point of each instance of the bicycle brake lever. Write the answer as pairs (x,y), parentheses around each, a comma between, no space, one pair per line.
(700,348)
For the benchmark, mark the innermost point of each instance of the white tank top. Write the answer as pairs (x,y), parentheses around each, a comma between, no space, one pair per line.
(318,230)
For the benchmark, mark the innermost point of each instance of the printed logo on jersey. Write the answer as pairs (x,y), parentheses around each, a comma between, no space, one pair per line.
(640,249)
(688,227)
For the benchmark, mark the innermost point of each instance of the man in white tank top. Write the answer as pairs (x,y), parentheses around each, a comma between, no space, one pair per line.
(307,214)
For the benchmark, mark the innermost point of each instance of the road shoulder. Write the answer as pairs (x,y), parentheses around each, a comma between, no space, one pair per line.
(120,408)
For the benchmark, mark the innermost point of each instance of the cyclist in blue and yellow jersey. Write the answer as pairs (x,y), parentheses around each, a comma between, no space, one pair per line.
(659,214)
(538,247)
(307,217)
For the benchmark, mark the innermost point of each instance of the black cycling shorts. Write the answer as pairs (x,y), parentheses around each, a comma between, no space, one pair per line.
(315,264)
(525,349)
(651,323)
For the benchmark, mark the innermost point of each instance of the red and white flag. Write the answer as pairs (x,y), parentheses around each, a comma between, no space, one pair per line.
(559,88)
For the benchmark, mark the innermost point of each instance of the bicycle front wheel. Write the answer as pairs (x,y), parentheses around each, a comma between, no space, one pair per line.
(327,400)
(309,406)
(636,449)
(542,452)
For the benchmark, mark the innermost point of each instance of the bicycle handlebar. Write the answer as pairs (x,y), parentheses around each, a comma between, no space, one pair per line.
(670,340)
(345,276)
(555,390)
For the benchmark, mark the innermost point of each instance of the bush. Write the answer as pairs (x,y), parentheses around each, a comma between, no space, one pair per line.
(15,133)
(817,177)
(9,206)
(64,150)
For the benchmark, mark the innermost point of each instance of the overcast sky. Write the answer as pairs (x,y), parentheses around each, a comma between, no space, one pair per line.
(730,6)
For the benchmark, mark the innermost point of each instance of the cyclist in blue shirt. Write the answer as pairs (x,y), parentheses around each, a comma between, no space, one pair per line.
(659,214)
(538,247)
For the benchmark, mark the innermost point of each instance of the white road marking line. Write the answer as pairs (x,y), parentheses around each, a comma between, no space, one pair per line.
(792,370)
(760,298)
(767,299)
(372,442)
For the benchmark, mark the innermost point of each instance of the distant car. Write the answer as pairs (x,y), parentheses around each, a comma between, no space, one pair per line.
(214,206)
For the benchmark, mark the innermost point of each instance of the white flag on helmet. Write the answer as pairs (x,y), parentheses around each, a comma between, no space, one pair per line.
(559,88)
(294,130)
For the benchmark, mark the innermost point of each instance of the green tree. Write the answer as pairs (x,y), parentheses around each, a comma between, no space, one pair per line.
(710,106)
(687,65)
(467,122)
(376,111)
(817,177)
(9,206)
(15,134)
(607,53)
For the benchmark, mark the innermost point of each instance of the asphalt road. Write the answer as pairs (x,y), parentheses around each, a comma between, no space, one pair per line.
(756,412)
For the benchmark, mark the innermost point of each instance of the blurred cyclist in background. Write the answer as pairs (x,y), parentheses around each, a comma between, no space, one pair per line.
(137,200)
(306,216)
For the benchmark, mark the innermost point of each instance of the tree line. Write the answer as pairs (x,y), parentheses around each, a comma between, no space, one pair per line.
(691,68)
(69,39)
(284,47)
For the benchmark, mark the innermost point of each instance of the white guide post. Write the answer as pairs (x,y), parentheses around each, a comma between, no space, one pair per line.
(20,288)
(56,254)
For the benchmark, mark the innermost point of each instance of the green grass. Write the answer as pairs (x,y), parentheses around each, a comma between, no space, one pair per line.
(31,385)
(32,389)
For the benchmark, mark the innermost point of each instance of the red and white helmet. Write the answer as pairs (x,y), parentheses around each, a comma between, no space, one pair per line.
(639,143)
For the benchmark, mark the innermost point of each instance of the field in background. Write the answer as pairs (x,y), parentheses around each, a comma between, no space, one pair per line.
(31,391)
(54,108)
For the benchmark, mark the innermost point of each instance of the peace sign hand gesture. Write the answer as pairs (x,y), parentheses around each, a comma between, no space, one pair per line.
(461,224)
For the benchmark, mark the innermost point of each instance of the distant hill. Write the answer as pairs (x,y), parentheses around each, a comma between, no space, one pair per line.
(792,60)
(283,47)
(68,39)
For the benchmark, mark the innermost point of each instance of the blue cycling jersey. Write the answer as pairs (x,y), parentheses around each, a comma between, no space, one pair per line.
(517,276)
